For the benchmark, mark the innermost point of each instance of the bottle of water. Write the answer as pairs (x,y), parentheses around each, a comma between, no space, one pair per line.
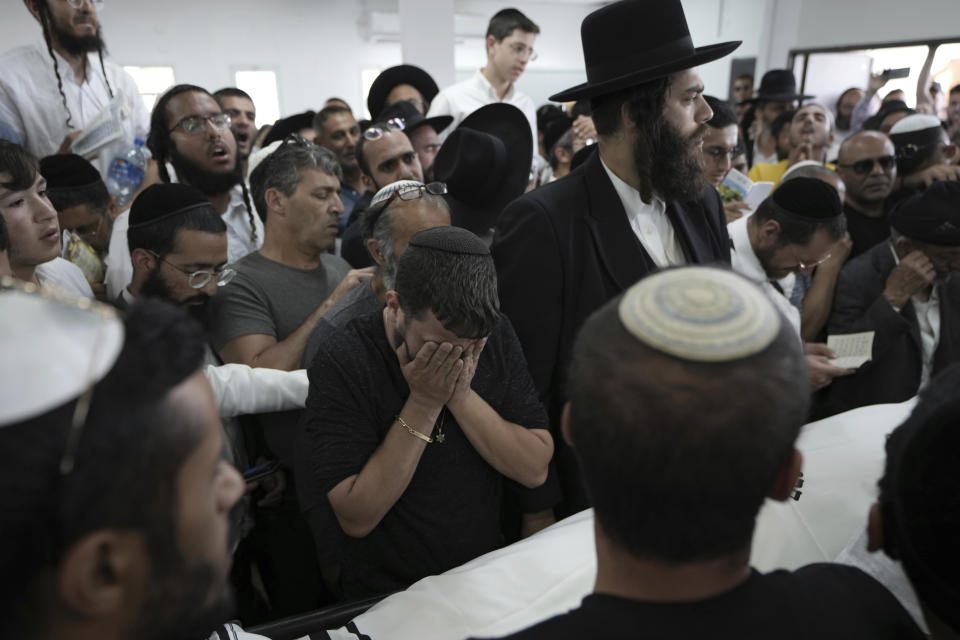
(126,172)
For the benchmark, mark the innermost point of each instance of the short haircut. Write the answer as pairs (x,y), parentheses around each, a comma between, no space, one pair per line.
(283,169)
(160,237)
(362,144)
(20,164)
(93,195)
(918,496)
(230,92)
(827,113)
(460,289)
(844,95)
(679,465)
(321,116)
(745,76)
(796,229)
(503,23)
(723,113)
(955,89)
(378,223)
(125,472)
(564,142)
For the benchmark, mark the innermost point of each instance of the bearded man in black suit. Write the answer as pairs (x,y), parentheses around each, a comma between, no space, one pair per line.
(637,205)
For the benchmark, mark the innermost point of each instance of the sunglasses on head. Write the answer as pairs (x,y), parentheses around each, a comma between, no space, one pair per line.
(865,166)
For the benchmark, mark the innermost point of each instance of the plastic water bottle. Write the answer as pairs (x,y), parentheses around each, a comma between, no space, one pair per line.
(126,172)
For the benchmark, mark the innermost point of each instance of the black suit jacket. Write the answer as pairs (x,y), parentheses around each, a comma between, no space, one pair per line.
(893,375)
(564,250)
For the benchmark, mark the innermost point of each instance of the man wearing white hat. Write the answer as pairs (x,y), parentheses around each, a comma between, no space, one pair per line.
(678,351)
(115,493)
(638,205)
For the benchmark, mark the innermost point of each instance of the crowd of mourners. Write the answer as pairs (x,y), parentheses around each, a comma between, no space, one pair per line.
(313,362)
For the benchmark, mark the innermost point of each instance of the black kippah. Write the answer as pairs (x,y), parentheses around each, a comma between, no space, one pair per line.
(160,201)
(808,198)
(932,216)
(65,171)
(450,240)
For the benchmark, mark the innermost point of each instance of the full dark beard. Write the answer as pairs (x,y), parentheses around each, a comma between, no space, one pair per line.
(76,46)
(210,183)
(676,164)
(156,287)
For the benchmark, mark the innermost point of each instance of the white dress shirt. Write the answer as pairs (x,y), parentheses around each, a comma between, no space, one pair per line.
(650,223)
(744,261)
(65,277)
(462,99)
(30,101)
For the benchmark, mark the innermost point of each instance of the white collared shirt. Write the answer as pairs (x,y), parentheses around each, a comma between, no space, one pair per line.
(63,276)
(744,261)
(462,99)
(239,243)
(30,101)
(650,223)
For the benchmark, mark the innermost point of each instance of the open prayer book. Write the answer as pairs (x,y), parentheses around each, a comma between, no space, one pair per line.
(753,193)
(852,349)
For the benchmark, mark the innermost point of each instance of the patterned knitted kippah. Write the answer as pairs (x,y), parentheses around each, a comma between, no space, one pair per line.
(700,314)
(450,240)
(808,198)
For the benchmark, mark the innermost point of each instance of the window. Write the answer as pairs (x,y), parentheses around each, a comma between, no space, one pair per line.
(262,87)
(151,82)
(826,73)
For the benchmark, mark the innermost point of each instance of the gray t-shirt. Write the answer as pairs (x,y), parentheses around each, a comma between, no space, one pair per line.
(361,301)
(270,298)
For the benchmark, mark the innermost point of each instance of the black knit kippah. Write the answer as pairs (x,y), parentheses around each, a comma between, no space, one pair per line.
(932,216)
(65,171)
(160,201)
(450,240)
(808,198)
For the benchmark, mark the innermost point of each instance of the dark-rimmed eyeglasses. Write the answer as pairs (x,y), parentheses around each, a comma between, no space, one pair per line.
(718,153)
(200,279)
(415,192)
(195,124)
(375,133)
(865,166)
(76,4)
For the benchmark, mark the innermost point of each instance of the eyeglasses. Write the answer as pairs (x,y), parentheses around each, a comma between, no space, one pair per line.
(375,133)
(520,50)
(806,266)
(200,279)
(76,4)
(865,166)
(718,153)
(196,124)
(414,192)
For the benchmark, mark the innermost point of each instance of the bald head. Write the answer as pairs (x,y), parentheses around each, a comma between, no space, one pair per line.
(867,164)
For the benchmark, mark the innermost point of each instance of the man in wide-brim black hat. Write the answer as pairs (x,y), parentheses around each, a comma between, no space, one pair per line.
(777,94)
(638,205)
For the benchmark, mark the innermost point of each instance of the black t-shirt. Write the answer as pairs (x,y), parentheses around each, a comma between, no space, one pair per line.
(819,601)
(450,512)
(866,232)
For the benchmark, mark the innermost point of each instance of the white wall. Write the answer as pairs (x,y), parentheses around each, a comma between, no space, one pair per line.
(319,47)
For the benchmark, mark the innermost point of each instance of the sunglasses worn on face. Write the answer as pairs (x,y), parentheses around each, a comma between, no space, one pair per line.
(865,166)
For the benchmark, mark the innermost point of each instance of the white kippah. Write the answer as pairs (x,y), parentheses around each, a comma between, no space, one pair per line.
(916,122)
(802,163)
(392,188)
(701,314)
(261,154)
(52,351)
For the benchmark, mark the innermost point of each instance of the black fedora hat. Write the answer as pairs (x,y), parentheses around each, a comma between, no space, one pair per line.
(402,74)
(486,163)
(777,85)
(634,41)
(412,117)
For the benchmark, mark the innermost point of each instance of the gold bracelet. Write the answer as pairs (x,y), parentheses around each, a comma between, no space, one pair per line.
(413,431)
